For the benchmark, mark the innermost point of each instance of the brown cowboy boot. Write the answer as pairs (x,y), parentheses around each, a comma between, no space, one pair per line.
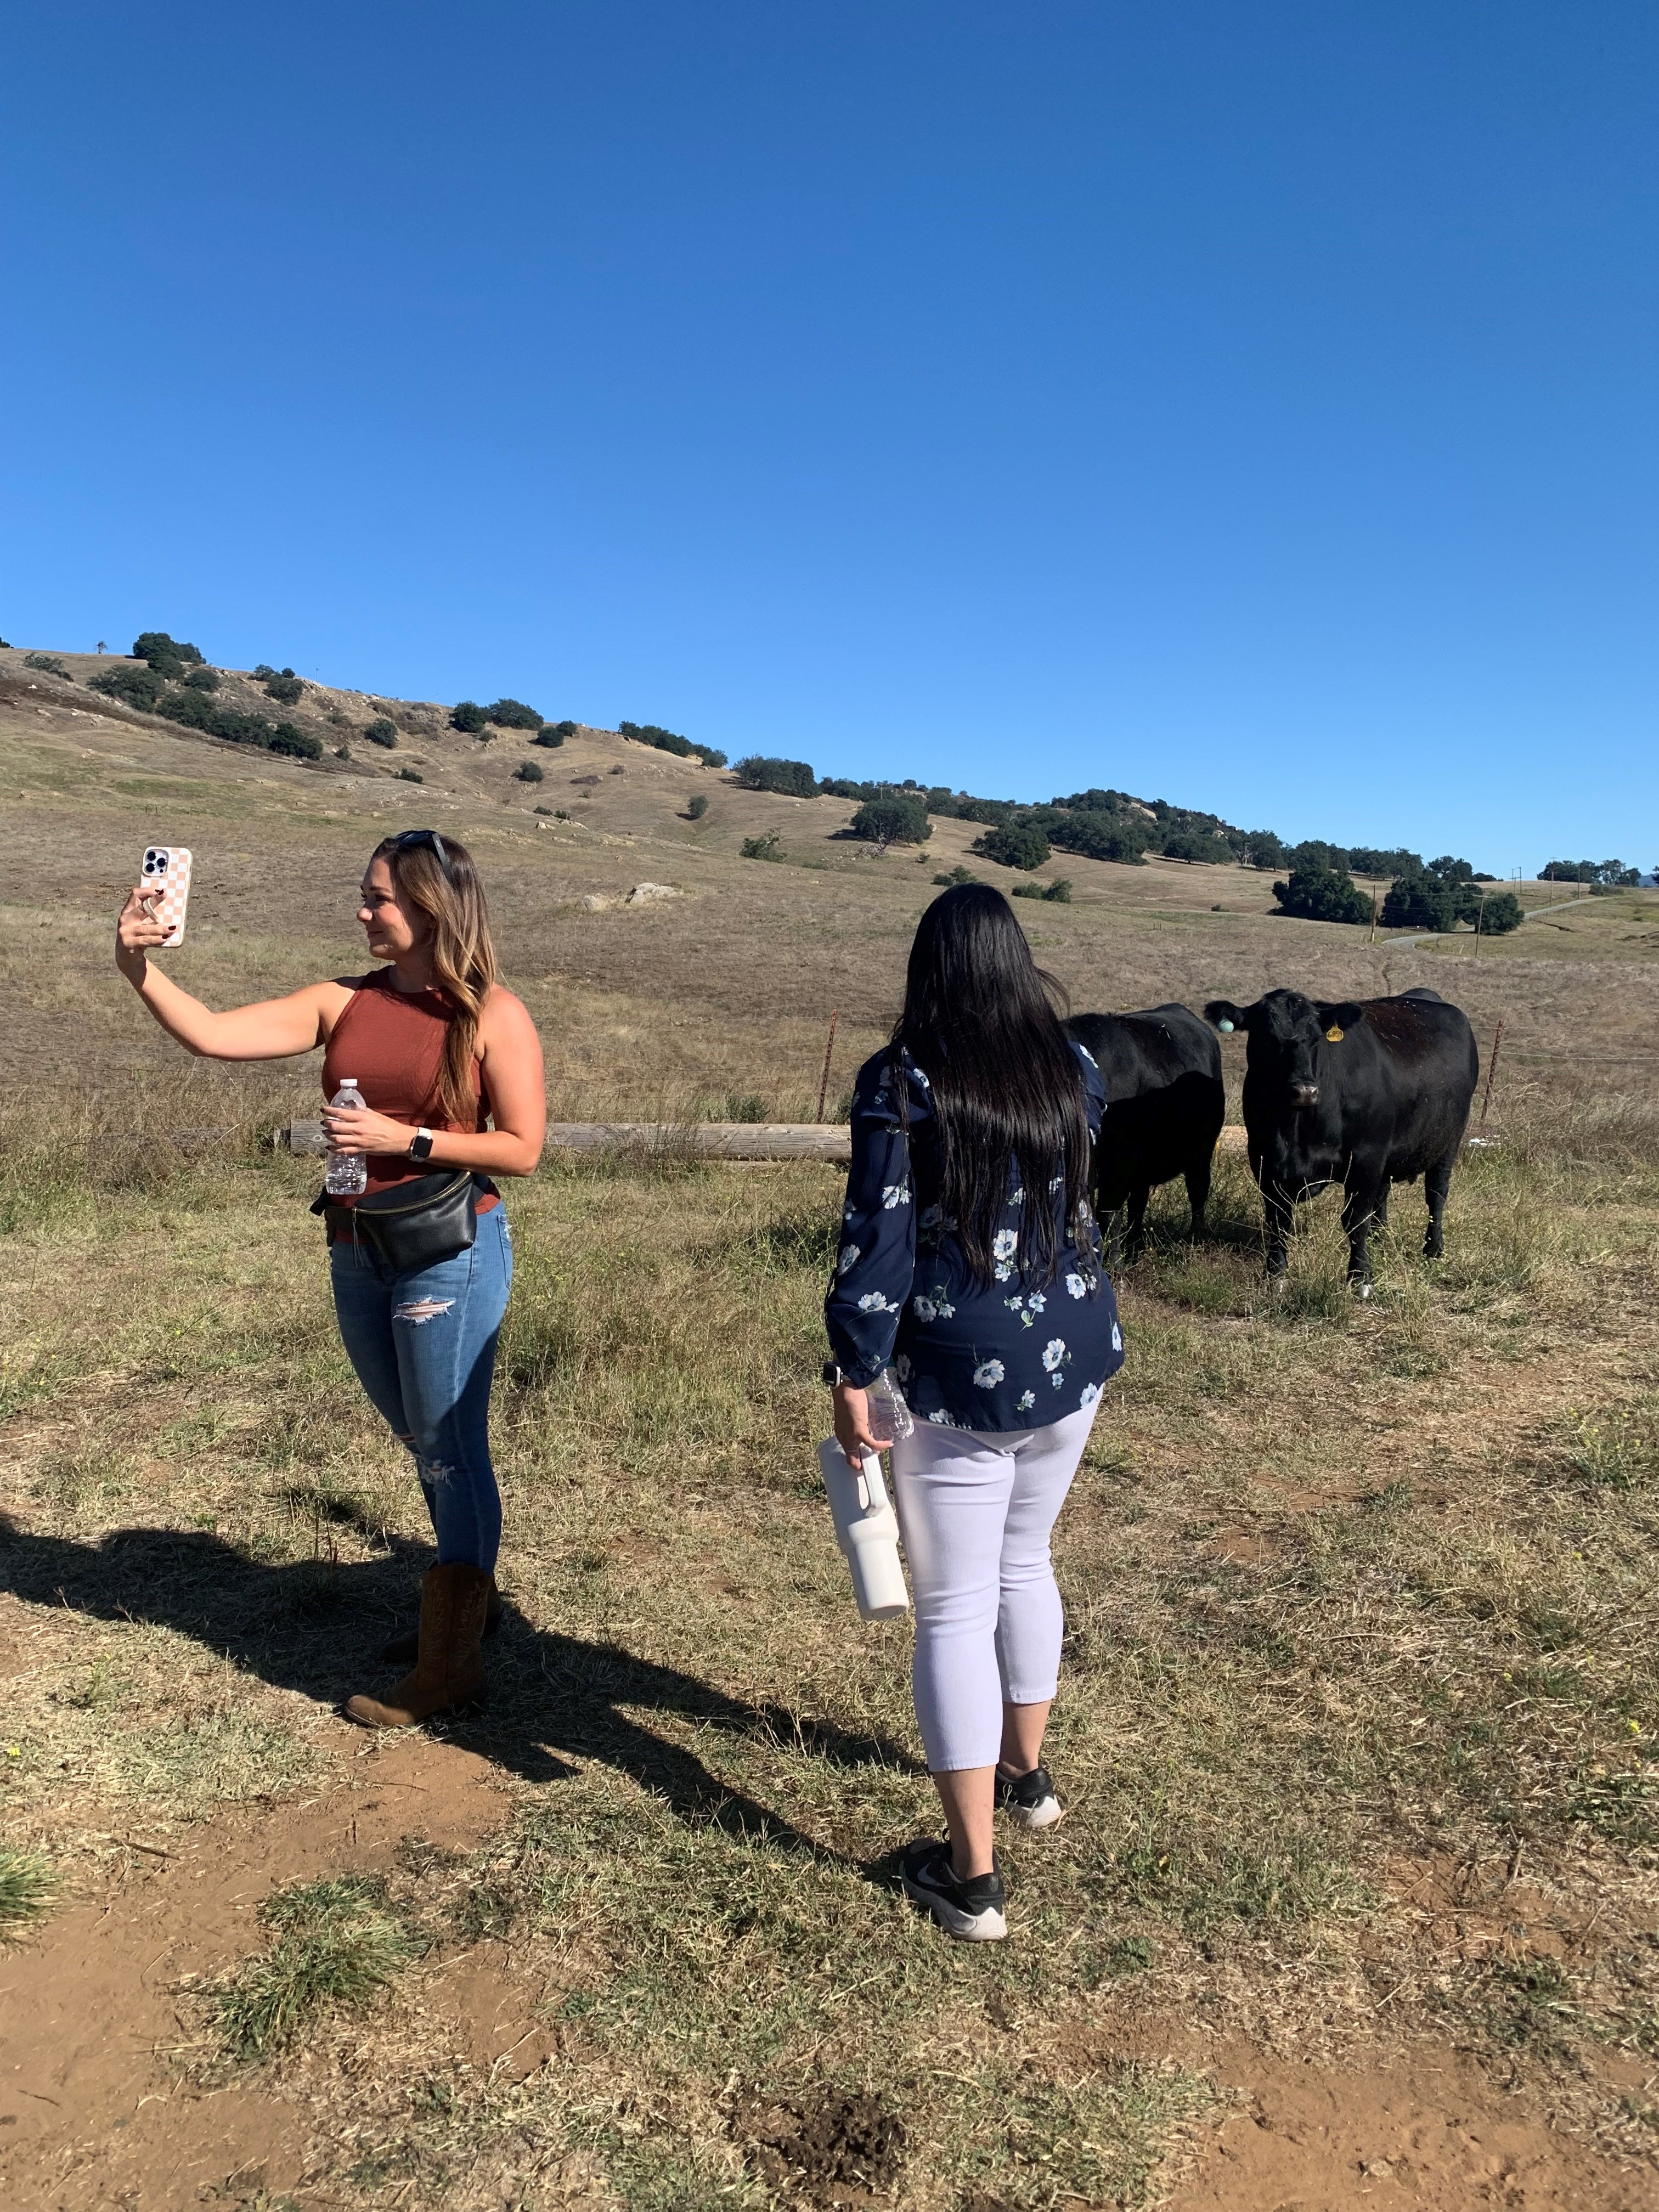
(449,1666)
(404,1651)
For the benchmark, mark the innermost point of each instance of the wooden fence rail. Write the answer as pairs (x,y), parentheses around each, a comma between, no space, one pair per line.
(714,1140)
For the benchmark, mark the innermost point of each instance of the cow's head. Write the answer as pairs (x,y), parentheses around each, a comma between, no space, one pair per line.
(1287,1034)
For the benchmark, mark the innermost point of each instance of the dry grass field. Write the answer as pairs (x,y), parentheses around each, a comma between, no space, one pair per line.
(1357,1897)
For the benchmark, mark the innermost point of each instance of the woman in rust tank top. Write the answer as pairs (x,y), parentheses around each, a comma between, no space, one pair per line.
(449,1066)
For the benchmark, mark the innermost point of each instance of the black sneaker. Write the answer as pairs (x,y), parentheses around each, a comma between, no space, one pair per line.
(971,1910)
(1029,1799)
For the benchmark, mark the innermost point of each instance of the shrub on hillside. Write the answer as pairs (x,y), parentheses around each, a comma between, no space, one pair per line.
(1057,893)
(382,730)
(1014,845)
(762,849)
(1612,875)
(410,775)
(992,811)
(668,741)
(957,875)
(300,745)
(697,808)
(47,663)
(1500,913)
(198,710)
(285,687)
(1317,894)
(203,679)
(891,821)
(469,717)
(1378,860)
(1590,873)
(1262,848)
(1097,836)
(513,715)
(530,772)
(554,733)
(1199,846)
(790,779)
(133,687)
(1428,903)
(167,656)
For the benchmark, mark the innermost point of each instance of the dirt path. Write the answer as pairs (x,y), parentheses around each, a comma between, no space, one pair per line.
(96,2115)
(1429,2134)
(92,2113)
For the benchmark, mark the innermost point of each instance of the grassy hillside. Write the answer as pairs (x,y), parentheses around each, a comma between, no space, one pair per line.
(1359,1731)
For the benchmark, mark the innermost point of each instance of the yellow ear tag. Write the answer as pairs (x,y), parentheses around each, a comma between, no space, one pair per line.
(1334,1035)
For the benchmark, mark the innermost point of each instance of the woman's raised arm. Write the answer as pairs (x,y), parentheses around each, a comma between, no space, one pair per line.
(272,1029)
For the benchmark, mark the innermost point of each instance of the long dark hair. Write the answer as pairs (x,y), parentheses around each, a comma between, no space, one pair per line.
(449,893)
(980,1021)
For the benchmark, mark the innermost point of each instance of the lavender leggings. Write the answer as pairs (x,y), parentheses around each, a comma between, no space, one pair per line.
(976,1508)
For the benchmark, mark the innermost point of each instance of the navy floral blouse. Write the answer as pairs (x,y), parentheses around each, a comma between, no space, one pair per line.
(968,1355)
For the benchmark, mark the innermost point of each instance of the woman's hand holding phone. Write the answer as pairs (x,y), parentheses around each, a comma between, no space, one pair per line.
(137,929)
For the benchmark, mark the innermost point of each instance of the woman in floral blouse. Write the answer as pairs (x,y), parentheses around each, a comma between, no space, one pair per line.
(969,1260)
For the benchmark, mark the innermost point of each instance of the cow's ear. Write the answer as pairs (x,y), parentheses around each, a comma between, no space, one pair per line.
(1222,1014)
(1337,1020)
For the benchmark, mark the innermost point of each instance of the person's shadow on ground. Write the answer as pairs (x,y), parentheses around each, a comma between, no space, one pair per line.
(317,1626)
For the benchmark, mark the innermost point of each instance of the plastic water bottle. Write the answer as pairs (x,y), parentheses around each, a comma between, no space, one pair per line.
(348,1172)
(890,1416)
(866,1529)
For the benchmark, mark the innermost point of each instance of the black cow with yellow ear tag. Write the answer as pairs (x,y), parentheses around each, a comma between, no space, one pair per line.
(1363,1092)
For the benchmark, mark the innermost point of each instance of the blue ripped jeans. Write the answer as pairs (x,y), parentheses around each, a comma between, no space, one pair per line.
(423,1346)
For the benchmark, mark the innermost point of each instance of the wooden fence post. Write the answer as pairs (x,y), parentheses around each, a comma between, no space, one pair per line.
(1492,1069)
(824,1087)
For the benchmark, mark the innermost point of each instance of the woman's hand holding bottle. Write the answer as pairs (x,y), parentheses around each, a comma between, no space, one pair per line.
(852,1416)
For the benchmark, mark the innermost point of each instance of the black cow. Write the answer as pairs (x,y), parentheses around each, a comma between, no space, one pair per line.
(1162,1070)
(1366,1093)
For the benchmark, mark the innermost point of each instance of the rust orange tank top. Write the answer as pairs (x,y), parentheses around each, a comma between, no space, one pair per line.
(392,1042)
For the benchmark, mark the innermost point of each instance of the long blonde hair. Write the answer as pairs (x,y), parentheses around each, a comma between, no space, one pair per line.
(462,952)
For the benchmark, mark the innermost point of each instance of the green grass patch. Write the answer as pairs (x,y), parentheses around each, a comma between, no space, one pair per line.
(28,1888)
(335,1947)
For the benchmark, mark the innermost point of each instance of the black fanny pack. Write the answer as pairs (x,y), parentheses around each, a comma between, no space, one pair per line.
(413,1225)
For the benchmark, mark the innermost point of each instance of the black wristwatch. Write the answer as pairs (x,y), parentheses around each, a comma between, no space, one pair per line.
(420,1144)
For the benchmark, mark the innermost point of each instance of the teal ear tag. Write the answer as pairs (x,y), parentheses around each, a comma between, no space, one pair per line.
(1226,1028)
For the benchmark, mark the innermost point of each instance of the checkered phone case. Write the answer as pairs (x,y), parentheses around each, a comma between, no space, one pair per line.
(167,872)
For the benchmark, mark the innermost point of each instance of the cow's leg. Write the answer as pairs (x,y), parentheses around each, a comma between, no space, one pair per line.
(1112,1227)
(1437,1183)
(1380,1211)
(1359,1211)
(1135,1241)
(1198,1192)
(1280,1210)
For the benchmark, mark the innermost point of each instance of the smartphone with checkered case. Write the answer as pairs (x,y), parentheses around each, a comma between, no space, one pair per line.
(167,876)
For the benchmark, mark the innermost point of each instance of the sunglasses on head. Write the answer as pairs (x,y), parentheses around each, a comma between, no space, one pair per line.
(409,837)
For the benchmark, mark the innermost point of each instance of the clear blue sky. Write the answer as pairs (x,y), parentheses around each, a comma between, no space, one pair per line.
(1248,404)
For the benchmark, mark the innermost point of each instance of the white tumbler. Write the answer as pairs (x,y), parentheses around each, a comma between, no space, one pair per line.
(867,1528)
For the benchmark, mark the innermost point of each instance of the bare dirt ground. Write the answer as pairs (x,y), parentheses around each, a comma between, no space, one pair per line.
(1357,1897)
(89,2017)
